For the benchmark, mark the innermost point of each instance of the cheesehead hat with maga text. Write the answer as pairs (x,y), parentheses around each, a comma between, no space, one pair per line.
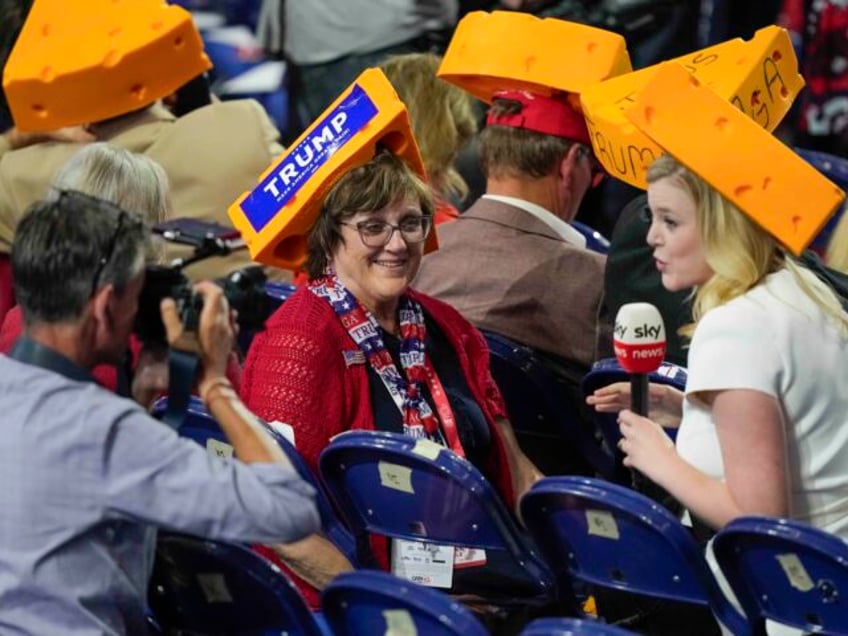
(759,76)
(750,167)
(276,216)
(543,63)
(86,61)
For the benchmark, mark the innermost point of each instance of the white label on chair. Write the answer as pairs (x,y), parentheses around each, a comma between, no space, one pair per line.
(218,449)
(399,623)
(395,477)
(427,564)
(427,449)
(601,523)
(795,572)
(214,588)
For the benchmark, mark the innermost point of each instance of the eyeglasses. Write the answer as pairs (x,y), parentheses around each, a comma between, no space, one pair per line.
(595,168)
(110,250)
(376,233)
(68,196)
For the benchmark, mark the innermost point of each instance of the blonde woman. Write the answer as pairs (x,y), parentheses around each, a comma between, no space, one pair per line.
(443,121)
(764,426)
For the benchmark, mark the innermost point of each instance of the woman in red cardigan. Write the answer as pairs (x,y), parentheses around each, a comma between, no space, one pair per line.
(358,349)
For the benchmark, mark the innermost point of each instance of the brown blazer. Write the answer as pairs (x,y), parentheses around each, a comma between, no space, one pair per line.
(210,155)
(508,272)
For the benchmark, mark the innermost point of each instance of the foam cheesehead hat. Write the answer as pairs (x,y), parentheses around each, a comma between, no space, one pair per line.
(543,63)
(275,217)
(758,76)
(85,61)
(750,167)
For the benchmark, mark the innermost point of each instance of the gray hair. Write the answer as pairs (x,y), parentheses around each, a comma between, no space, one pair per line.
(132,181)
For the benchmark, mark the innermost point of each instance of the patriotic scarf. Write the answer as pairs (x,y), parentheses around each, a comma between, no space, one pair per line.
(419,421)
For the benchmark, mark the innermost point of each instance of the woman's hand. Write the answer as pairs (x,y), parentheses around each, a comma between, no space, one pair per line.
(645,445)
(665,402)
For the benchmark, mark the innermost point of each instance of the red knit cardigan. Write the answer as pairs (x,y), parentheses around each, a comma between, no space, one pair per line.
(296,373)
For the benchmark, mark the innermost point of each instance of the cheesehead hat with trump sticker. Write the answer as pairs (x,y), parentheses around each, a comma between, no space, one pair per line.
(86,61)
(543,63)
(759,76)
(276,216)
(750,167)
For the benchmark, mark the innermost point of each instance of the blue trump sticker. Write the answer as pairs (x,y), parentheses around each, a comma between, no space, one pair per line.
(332,132)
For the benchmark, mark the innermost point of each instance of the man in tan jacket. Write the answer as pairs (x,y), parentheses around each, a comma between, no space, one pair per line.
(211,155)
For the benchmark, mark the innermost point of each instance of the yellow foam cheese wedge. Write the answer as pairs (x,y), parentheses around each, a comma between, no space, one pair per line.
(734,154)
(509,50)
(275,217)
(758,76)
(85,61)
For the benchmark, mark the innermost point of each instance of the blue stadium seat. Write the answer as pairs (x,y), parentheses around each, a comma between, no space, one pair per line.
(369,602)
(546,410)
(276,293)
(608,371)
(200,586)
(595,241)
(610,536)
(836,169)
(786,571)
(200,426)
(572,627)
(392,485)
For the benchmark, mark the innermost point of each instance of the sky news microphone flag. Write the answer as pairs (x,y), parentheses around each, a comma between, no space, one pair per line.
(639,344)
(750,167)
(81,62)
(758,76)
(275,217)
(543,63)
(639,338)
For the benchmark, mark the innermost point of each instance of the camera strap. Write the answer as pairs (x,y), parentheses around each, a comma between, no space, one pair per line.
(182,369)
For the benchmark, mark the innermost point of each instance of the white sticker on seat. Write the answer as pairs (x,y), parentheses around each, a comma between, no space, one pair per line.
(602,524)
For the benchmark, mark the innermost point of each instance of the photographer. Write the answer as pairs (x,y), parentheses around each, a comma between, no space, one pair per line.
(88,475)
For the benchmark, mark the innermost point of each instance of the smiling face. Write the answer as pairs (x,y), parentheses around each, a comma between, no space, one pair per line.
(378,276)
(674,235)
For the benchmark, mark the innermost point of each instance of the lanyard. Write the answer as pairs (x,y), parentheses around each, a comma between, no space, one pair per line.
(418,418)
(440,399)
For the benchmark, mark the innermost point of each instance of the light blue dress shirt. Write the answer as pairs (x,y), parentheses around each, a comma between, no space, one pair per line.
(85,479)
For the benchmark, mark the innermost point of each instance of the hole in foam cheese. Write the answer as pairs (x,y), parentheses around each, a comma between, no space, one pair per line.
(764,178)
(80,62)
(760,77)
(275,217)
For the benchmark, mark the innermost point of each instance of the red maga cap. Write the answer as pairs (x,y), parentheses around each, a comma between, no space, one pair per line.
(552,115)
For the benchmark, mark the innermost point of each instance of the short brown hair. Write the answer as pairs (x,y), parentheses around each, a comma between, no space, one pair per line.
(517,152)
(372,186)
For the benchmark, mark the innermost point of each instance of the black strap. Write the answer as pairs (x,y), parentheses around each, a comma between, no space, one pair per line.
(182,368)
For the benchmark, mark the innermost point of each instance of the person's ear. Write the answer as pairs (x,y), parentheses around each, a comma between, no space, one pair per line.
(568,164)
(101,307)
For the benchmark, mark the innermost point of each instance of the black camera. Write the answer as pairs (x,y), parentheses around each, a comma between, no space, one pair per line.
(243,288)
